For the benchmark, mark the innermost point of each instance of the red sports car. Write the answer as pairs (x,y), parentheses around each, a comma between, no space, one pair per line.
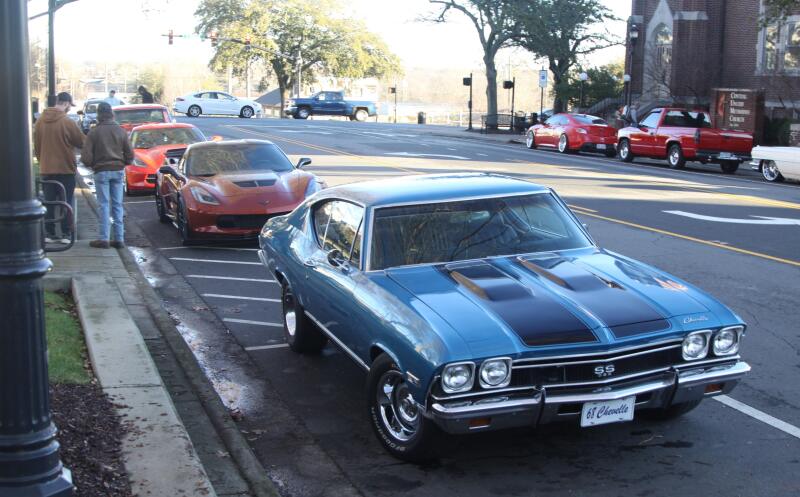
(155,145)
(230,189)
(130,116)
(573,133)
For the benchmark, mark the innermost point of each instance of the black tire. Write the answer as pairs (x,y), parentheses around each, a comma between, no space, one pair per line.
(361,115)
(624,151)
(185,227)
(563,144)
(729,166)
(530,140)
(302,113)
(194,111)
(671,412)
(301,334)
(419,439)
(675,157)
(769,170)
(160,210)
(246,112)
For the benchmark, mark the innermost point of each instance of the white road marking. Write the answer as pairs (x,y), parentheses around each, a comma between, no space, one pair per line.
(268,347)
(230,278)
(759,415)
(139,202)
(216,261)
(483,155)
(237,297)
(407,154)
(303,131)
(760,220)
(256,323)
(390,135)
(210,248)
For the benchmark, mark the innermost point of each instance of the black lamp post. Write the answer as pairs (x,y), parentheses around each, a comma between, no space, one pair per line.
(468,82)
(633,37)
(29,460)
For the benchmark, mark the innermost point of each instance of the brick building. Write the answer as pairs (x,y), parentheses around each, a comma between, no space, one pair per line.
(686,48)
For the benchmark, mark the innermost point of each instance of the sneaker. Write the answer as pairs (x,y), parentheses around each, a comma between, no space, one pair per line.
(117,244)
(102,244)
(65,241)
(47,239)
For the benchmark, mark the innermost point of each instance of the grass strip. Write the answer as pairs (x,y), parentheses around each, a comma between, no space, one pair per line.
(66,350)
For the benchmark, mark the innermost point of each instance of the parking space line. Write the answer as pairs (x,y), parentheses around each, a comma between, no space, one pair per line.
(255,323)
(210,248)
(268,347)
(759,415)
(238,297)
(230,278)
(216,261)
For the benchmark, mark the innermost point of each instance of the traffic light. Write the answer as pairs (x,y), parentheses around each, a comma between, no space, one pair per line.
(170,37)
(393,90)
(507,85)
(213,38)
(468,81)
(247,43)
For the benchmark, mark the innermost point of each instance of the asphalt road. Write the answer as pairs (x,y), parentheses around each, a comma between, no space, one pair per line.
(735,236)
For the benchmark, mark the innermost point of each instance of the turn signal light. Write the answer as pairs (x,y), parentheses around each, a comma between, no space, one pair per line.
(714,388)
(476,423)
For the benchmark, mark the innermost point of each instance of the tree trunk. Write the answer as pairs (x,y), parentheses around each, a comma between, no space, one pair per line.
(491,90)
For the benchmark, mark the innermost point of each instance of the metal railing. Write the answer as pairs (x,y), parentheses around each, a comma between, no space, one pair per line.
(65,211)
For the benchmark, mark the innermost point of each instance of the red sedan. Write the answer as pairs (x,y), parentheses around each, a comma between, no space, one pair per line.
(574,133)
(230,189)
(153,146)
(130,116)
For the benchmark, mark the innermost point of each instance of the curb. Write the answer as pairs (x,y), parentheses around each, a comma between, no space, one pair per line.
(234,441)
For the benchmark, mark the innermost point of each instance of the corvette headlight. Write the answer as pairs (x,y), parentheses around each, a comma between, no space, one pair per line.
(726,340)
(695,345)
(495,373)
(203,196)
(458,377)
(138,162)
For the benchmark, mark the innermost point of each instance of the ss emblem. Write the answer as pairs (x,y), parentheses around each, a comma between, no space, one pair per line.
(603,371)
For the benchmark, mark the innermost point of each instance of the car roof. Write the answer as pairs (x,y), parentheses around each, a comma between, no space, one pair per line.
(431,188)
(138,106)
(144,127)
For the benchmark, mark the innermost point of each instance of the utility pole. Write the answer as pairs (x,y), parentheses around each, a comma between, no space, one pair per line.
(51,54)
(513,90)
(29,460)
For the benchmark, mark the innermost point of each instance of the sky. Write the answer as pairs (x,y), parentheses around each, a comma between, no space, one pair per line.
(129,31)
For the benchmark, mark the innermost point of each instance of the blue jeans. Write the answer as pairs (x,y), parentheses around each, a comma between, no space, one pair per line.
(108,185)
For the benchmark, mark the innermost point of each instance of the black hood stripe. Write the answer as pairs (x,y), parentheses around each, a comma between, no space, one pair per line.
(622,310)
(537,318)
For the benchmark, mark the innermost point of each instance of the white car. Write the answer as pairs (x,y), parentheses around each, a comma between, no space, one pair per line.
(216,103)
(777,163)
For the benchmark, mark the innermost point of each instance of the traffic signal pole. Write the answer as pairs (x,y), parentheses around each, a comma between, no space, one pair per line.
(51,54)
(29,455)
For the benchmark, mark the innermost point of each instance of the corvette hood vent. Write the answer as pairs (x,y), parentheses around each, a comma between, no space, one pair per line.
(254,183)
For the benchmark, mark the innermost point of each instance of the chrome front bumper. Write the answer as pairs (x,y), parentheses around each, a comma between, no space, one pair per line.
(534,406)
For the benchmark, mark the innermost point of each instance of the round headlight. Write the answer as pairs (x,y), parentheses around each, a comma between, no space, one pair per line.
(495,373)
(695,345)
(726,341)
(457,377)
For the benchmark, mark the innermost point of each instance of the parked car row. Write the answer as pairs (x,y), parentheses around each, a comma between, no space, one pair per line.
(675,134)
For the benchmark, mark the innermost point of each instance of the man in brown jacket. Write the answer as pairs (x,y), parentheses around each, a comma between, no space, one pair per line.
(107,150)
(55,138)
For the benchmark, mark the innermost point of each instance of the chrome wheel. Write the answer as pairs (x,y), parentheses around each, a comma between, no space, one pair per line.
(303,113)
(529,140)
(194,111)
(770,171)
(674,157)
(398,410)
(361,115)
(562,144)
(247,112)
(290,315)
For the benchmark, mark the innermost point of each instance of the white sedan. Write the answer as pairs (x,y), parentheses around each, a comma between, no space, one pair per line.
(777,163)
(216,103)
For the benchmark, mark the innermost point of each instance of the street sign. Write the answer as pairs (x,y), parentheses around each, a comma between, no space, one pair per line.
(543,78)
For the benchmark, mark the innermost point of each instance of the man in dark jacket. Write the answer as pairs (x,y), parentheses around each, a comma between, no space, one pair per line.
(147,97)
(55,138)
(106,151)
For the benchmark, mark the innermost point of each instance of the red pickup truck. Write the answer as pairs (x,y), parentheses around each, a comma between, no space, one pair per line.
(679,135)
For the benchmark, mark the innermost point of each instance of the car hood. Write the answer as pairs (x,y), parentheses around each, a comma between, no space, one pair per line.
(154,157)
(292,183)
(589,297)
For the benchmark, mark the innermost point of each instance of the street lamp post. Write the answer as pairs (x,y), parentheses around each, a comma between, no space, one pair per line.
(633,37)
(468,82)
(583,77)
(29,456)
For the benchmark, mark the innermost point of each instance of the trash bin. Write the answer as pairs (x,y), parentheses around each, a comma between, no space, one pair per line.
(520,122)
(421,118)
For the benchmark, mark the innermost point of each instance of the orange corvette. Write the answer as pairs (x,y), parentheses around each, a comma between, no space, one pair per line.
(155,145)
(230,189)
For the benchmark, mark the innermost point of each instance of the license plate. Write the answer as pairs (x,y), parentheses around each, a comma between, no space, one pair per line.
(725,155)
(607,411)
(601,146)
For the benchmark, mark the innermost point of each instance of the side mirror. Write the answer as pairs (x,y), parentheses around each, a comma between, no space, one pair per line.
(303,162)
(168,170)
(80,112)
(336,259)
(215,138)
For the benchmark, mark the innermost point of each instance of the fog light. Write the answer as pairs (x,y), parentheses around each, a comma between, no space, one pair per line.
(695,345)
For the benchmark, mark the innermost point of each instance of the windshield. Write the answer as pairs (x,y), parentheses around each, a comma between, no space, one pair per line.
(472,229)
(589,119)
(140,116)
(91,108)
(170,136)
(220,159)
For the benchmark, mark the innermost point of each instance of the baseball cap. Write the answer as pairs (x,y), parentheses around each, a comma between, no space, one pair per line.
(65,97)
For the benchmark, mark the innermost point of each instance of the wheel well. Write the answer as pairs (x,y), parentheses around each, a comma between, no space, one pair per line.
(279,277)
(360,108)
(374,352)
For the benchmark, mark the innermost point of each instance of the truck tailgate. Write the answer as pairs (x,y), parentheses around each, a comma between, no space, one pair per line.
(725,141)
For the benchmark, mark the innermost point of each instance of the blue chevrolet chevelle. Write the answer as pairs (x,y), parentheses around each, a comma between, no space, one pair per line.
(478,302)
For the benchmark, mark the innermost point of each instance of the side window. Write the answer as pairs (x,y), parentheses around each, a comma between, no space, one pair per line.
(651,121)
(322,97)
(338,226)
(552,121)
(335,97)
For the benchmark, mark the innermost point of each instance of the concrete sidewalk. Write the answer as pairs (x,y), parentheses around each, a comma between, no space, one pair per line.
(180,440)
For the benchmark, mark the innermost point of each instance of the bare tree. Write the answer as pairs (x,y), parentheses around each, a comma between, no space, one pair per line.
(495,22)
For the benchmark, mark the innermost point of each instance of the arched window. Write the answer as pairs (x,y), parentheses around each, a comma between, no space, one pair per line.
(662,39)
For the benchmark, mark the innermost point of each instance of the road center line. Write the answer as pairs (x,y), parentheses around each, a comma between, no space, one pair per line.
(267,347)
(759,415)
(256,323)
(238,297)
(229,278)
(215,261)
